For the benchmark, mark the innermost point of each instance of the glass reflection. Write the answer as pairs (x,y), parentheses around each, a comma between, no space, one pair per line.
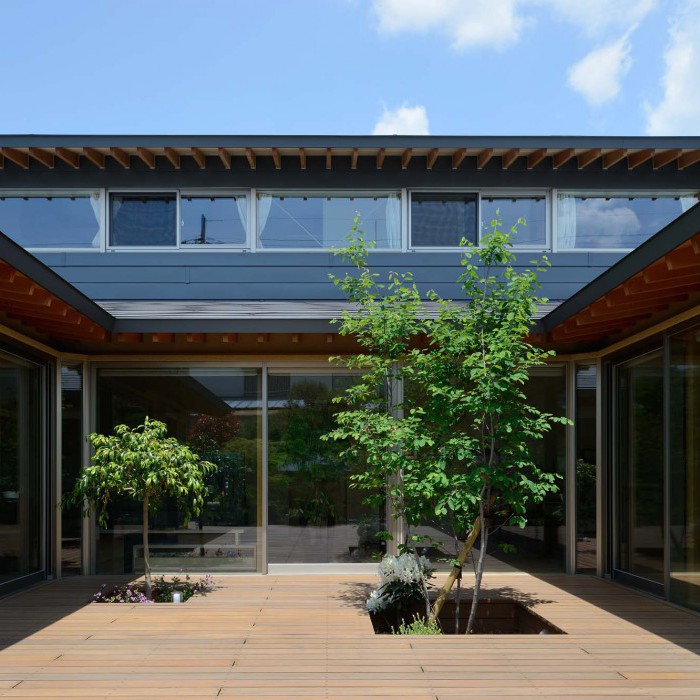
(442,220)
(313,514)
(218,413)
(640,505)
(213,220)
(509,209)
(21,486)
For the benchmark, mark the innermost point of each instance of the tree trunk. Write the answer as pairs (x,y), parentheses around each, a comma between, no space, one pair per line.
(479,570)
(461,558)
(458,597)
(146,550)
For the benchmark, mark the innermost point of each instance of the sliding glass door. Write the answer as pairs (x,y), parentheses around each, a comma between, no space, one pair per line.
(640,470)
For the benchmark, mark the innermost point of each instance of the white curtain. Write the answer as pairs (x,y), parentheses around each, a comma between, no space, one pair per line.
(98,211)
(242,205)
(393,221)
(566,223)
(264,206)
(688,202)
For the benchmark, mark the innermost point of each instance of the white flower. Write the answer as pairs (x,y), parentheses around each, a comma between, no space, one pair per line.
(375,602)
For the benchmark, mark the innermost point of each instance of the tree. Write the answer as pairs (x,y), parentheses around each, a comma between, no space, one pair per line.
(456,446)
(147,466)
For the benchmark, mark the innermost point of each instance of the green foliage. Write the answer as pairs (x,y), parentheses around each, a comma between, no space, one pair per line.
(418,626)
(458,444)
(143,464)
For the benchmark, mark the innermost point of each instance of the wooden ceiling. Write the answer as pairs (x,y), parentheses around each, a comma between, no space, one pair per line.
(664,288)
(27,306)
(299,157)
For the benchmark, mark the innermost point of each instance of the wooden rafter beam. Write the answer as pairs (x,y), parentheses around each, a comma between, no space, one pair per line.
(329,159)
(509,157)
(610,159)
(536,157)
(431,158)
(2,160)
(73,159)
(199,158)
(173,156)
(225,158)
(97,158)
(17,157)
(636,159)
(302,158)
(229,338)
(457,157)
(43,156)
(354,157)
(587,157)
(381,154)
(689,158)
(147,156)
(406,158)
(277,158)
(483,158)
(251,158)
(562,157)
(661,159)
(121,156)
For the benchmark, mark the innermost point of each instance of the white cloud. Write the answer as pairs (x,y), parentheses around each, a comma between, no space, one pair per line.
(468,24)
(499,24)
(678,112)
(597,16)
(598,75)
(403,120)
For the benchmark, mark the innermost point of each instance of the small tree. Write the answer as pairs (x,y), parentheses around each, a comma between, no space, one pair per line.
(147,466)
(457,447)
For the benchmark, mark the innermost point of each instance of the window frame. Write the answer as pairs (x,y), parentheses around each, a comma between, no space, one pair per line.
(602,194)
(340,193)
(65,193)
(481,192)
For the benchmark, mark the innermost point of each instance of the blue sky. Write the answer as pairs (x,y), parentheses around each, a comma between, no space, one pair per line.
(351,66)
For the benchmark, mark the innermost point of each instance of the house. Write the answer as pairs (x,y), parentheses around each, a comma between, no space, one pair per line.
(186,278)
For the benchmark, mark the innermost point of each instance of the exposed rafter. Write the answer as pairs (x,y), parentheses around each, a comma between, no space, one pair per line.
(97,158)
(73,159)
(536,157)
(457,157)
(276,158)
(588,157)
(173,156)
(431,158)
(302,158)
(666,157)
(225,157)
(688,159)
(406,158)
(17,157)
(509,157)
(43,156)
(121,156)
(147,156)
(484,157)
(562,157)
(636,159)
(610,159)
(199,158)
(381,153)
(329,158)
(354,157)
(251,158)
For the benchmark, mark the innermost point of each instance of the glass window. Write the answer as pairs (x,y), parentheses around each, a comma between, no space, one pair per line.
(143,220)
(217,412)
(619,221)
(213,220)
(533,210)
(53,220)
(20,469)
(684,487)
(317,222)
(442,220)
(314,516)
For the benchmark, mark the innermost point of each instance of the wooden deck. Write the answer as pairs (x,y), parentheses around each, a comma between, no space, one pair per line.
(307,636)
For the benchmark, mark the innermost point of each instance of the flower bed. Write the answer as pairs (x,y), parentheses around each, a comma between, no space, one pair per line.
(162,590)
